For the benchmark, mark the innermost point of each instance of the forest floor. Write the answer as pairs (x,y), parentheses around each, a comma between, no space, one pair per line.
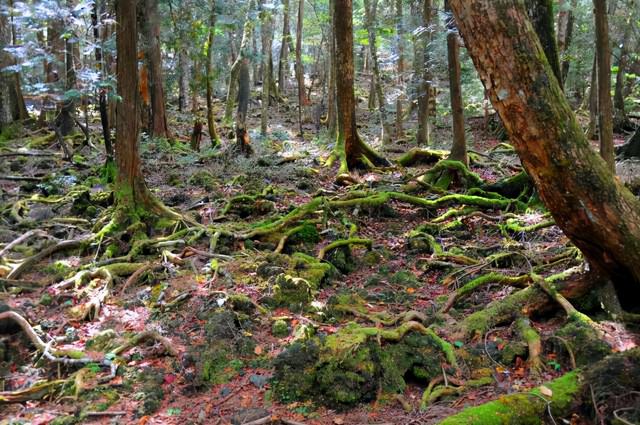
(187,295)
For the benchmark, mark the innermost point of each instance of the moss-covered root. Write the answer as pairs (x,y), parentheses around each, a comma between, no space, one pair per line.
(432,393)
(572,313)
(35,392)
(484,280)
(398,333)
(421,156)
(444,172)
(344,242)
(532,338)
(553,398)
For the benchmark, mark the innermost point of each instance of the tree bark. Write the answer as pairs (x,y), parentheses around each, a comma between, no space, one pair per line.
(96,20)
(350,150)
(598,214)
(9,102)
(621,121)
(605,107)
(423,73)
(400,39)
(299,65)
(285,46)
(565,34)
(158,122)
(332,107)
(244,92)
(459,145)
(211,124)
(131,192)
(370,7)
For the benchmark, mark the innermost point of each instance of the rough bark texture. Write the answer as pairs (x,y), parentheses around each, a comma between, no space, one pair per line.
(244,92)
(605,107)
(371,7)
(565,33)
(592,208)
(8,101)
(459,146)
(158,121)
(400,39)
(350,149)
(332,120)
(423,73)
(96,21)
(211,125)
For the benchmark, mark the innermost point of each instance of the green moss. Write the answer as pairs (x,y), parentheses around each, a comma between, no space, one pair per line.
(104,341)
(583,340)
(58,270)
(405,279)
(293,292)
(46,299)
(522,409)
(203,179)
(280,329)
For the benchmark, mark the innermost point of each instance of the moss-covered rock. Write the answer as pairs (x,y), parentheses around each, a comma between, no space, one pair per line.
(203,179)
(315,272)
(280,329)
(350,366)
(585,343)
(293,292)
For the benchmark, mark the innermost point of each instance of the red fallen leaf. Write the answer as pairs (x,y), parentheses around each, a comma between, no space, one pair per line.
(169,378)
(144,420)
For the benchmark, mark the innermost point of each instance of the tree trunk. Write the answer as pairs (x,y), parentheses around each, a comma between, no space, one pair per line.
(598,214)
(332,107)
(9,93)
(621,121)
(565,33)
(96,20)
(211,125)
(285,46)
(423,73)
(350,150)
(605,107)
(541,16)
(158,124)
(131,193)
(400,40)
(299,65)
(232,91)
(592,129)
(459,146)
(244,92)
(183,79)
(266,35)
(371,7)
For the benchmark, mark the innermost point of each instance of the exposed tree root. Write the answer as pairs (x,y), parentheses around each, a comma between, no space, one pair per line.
(35,392)
(344,242)
(532,338)
(433,393)
(421,156)
(143,337)
(518,281)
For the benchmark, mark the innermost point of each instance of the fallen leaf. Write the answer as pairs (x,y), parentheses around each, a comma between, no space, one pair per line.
(546,391)
(258,350)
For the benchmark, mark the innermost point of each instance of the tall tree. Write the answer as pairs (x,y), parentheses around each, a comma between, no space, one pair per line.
(96,22)
(400,38)
(593,209)
(266,35)
(211,124)
(541,16)
(605,106)
(285,47)
(10,93)
(158,119)
(459,146)
(243,55)
(349,149)
(332,120)
(371,7)
(423,74)
(565,33)
(299,65)
(133,198)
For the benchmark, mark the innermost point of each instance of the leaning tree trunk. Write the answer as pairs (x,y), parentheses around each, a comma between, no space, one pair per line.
(158,124)
(211,124)
(370,7)
(243,54)
(459,146)
(593,209)
(605,107)
(133,198)
(541,16)
(349,149)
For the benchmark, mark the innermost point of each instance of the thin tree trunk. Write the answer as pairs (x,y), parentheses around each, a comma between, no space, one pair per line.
(565,33)
(371,7)
(96,20)
(592,130)
(158,124)
(400,39)
(621,122)
(459,146)
(9,90)
(605,107)
(211,125)
(332,120)
(232,90)
(299,65)
(595,211)
(266,31)
(423,73)
(244,91)
(285,46)
(541,15)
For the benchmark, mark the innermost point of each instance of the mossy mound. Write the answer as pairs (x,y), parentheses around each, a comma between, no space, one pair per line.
(585,343)
(350,366)
(299,265)
(292,292)
(151,393)
(203,179)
